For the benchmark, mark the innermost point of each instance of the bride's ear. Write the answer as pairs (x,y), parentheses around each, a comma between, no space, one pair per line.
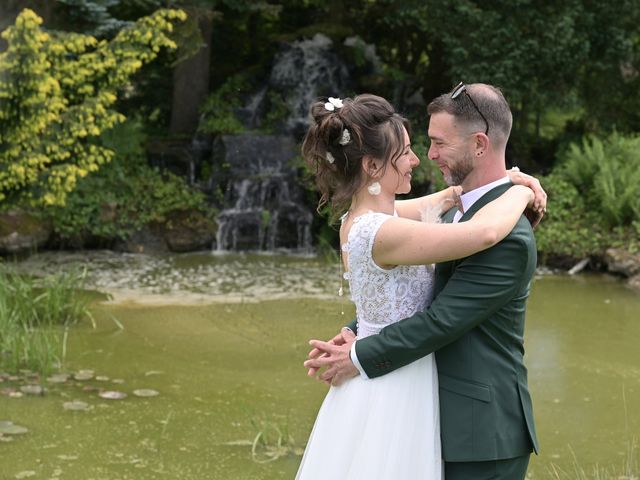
(371,166)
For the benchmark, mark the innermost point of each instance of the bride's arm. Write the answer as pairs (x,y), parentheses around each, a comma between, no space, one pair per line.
(406,242)
(413,208)
(445,199)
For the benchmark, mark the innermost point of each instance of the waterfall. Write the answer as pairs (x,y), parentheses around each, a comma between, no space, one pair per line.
(264,208)
(304,70)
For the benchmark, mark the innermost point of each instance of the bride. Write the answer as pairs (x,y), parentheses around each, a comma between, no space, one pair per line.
(387,427)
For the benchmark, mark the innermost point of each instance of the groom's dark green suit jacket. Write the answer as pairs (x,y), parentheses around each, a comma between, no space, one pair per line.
(475,325)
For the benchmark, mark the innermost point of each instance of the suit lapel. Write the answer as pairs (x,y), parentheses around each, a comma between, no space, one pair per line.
(444,270)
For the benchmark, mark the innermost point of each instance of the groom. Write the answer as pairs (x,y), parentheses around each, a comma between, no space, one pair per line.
(476,322)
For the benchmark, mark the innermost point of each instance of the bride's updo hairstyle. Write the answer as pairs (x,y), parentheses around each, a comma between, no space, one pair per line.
(342,132)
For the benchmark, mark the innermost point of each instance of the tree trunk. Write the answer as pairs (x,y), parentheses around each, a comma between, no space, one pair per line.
(191,80)
(437,81)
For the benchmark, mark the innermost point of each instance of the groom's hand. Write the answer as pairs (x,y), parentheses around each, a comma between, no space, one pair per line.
(335,358)
(345,335)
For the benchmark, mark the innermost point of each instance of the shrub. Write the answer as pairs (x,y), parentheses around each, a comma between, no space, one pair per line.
(218,111)
(58,91)
(123,196)
(573,228)
(607,173)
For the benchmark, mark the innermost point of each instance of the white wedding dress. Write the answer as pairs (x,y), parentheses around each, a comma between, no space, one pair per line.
(386,428)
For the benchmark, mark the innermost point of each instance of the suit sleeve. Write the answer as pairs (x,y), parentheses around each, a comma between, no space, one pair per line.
(353,326)
(480,285)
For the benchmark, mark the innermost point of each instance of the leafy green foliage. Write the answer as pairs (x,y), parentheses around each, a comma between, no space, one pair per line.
(607,172)
(427,173)
(57,92)
(572,231)
(568,229)
(125,195)
(219,109)
(219,112)
(277,113)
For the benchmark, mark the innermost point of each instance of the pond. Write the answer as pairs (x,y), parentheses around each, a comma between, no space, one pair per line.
(222,339)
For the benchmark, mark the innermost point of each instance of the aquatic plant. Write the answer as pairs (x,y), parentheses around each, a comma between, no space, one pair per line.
(34,317)
(272,440)
(629,469)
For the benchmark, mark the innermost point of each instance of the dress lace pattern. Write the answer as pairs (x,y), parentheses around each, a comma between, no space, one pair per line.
(382,296)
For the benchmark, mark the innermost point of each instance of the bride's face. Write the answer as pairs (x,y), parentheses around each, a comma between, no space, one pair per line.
(398,180)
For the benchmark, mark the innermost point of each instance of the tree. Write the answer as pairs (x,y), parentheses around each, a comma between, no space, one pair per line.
(57,92)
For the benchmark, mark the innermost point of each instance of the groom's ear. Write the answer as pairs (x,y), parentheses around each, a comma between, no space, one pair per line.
(482,143)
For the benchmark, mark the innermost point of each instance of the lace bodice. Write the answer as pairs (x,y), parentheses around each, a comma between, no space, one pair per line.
(382,296)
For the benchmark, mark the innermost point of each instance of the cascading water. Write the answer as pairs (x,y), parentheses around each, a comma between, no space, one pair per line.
(264,207)
(303,71)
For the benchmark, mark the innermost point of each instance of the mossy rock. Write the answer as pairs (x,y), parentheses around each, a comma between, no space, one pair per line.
(188,231)
(21,231)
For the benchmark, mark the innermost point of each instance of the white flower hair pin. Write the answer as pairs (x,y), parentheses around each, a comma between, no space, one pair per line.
(330,158)
(345,138)
(333,103)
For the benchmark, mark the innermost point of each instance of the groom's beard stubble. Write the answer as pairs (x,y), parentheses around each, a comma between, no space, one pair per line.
(459,170)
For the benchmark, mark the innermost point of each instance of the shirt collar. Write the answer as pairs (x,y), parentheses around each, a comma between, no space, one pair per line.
(469,198)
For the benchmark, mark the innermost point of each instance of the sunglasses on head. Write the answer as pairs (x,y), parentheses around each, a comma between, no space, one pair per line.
(459,90)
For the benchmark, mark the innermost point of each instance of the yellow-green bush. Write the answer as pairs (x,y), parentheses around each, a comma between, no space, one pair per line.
(57,95)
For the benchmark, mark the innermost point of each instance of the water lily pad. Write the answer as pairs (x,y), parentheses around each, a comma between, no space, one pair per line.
(76,405)
(83,375)
(58,378)
(25,474)
(112,395)
(32,389)
(68,457)
(9,428)
(146,392)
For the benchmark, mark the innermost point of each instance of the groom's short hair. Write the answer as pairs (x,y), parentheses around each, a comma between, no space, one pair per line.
(489,100)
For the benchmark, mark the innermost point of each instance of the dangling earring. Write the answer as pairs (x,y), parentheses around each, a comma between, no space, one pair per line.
(374,188)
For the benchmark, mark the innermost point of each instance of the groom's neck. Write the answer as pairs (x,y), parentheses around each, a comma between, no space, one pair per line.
(484,174)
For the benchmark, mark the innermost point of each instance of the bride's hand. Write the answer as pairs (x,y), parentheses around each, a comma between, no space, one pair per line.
(540,196)
(538,207)
(345,335)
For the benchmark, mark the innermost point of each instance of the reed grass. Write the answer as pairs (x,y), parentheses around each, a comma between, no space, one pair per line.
(627,469)
(35,315)
(272,440)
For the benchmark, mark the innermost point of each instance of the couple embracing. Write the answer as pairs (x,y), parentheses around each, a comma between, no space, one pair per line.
(390,413)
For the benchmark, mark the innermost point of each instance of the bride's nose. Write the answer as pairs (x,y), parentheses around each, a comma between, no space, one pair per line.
(415,161)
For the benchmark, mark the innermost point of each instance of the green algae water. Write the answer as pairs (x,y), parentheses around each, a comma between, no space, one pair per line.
(235,402)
